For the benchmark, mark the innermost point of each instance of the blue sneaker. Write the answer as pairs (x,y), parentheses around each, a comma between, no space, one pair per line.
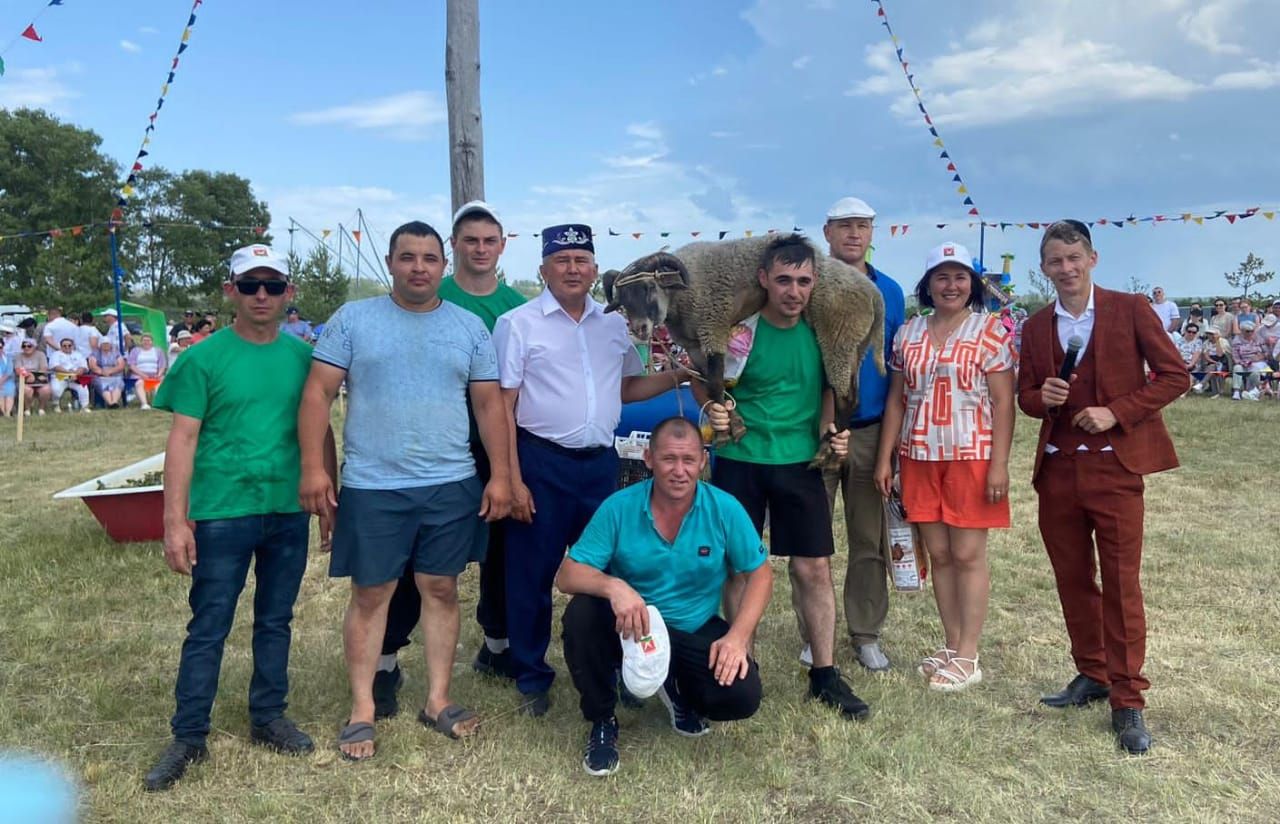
(601,757)
(684,720)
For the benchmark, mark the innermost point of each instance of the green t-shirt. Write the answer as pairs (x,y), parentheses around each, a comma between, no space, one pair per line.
(779,396)
(246,397)
(486,307)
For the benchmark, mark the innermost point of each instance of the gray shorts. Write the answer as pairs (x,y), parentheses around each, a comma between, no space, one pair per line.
(380,532)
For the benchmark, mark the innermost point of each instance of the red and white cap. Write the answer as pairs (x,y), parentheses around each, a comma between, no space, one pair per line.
(257,256)
(948,253)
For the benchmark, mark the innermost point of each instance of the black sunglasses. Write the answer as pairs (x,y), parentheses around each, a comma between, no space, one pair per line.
(250,286)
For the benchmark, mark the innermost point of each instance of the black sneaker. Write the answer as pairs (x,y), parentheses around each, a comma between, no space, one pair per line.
(172,765)
(826,685)
(601,757)
(386,689)
(625,697)
(684,720)
(536,704)
(283,736)
(493,664)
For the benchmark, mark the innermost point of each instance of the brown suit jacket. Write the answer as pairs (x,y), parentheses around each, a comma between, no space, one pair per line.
(1125,334)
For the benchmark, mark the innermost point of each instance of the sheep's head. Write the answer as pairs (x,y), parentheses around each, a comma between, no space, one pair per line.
(642,291)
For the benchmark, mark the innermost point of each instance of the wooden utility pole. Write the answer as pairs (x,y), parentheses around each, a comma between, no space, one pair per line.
(462,93)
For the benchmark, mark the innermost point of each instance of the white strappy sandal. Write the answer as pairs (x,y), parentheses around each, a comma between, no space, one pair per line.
(955,682)
(932,663)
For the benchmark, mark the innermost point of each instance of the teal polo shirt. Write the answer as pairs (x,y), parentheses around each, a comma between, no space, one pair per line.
(682,578)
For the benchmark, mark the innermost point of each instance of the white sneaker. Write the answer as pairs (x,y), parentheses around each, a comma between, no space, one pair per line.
(56,409)
(39,411)
(1235,396)
(806,655)
(145,406)
(85,409)
(1198,388)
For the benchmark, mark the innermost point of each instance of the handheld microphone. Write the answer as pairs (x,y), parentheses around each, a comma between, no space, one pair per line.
(1074,344)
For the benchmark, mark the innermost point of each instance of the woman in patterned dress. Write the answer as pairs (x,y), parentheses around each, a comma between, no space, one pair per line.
(949,418)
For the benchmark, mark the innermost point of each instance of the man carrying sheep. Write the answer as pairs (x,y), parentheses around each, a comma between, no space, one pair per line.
(866,590)
(780,394)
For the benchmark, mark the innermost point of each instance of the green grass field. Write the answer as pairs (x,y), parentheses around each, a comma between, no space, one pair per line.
(92,632)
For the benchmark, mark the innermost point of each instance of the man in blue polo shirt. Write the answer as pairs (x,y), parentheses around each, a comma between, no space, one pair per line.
(670,543)
(866,589)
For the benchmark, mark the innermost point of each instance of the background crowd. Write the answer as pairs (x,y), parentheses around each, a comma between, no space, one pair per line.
(79,361)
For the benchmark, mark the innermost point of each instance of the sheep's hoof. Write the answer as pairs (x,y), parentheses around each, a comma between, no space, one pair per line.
(720,439)
(737,426)
(826,458)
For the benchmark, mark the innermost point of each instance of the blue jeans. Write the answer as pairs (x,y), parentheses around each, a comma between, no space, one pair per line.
(224,548)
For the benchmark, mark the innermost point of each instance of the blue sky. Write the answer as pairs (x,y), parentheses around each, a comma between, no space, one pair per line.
(709,116)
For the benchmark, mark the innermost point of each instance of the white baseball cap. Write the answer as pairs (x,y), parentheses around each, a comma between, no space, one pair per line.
(257,256)
(847,207)
(1247,326)
(110,313)
(645,661)
(948,253)
(475,207)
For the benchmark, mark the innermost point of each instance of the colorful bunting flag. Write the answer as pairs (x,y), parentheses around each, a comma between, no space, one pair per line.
(30,33)
(917,92)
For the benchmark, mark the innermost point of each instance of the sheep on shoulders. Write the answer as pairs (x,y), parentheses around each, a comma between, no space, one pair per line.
(702,290)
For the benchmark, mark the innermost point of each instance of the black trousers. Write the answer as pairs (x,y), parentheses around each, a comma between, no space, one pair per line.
(594,653)
(491,608)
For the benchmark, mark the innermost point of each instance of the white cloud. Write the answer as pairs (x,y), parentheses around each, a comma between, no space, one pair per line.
(1262,76)
(36,89)
(130,46)
(405,116)
(1204,25)
(1043,74)
(648,130)
(801,61)
(719,71)
(722,135)
(149,30)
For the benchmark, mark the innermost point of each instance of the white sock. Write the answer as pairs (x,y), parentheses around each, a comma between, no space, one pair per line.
(496,645)
(387,663)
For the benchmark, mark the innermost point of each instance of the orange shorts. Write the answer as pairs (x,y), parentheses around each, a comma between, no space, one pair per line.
(150,383)
(951,492)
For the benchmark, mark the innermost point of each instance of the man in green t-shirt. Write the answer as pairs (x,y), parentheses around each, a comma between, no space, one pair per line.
(780,395)
(478,242)
(231,477)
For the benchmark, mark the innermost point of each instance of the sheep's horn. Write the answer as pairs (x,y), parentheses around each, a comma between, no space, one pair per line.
(676,275)
(607,282)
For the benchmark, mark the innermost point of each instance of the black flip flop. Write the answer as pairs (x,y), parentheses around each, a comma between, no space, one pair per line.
(355,734)
(448,720)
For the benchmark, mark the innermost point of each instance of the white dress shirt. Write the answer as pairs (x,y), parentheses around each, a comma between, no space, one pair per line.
(1069,326)
(569,372)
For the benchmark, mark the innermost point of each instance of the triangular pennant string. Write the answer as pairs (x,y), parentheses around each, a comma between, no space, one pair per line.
(126,191)
(905,64)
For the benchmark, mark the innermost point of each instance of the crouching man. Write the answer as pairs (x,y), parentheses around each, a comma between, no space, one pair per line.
(668,543)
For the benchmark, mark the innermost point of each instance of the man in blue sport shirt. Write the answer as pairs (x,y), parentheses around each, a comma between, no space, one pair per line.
(670,543)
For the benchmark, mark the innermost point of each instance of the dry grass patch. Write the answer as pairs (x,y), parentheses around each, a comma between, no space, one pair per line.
(92,634)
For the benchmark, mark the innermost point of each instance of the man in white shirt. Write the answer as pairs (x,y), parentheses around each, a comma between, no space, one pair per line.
(1166,310)
(566,368)
(55,329)
(65,367)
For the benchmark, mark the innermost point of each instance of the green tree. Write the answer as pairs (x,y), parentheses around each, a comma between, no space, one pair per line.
(52,175)
(321,283)
(217,213)
(1248,275)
